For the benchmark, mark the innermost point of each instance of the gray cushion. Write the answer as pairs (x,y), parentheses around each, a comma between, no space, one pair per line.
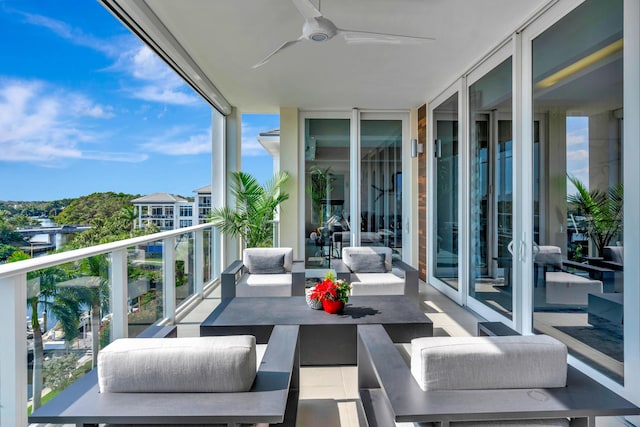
(553,422)
(466,363)
(347,253)
(367,263)
(264,285)
(181,365)
(266,264)
(549,255)
(614,253)
(249,254)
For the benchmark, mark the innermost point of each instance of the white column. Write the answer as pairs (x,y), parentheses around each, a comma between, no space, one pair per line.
(218,185)
(354,177)
(169,291)
(13,358)
(631,159)
(410,196)
(291,215)
(233,126)
(119,290)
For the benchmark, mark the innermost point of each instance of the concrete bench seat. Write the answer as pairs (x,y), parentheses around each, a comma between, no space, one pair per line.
(570,289)
(272,398)
(391,394)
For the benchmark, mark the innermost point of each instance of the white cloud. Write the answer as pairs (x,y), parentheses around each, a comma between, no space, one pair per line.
(158,82)
(176,142)
(577,137)
(43,124)
(577,155)
(74,35)
(250,145)
(115,156)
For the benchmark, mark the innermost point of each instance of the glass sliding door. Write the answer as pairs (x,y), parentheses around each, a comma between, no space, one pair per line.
(381,184)
(445,125)
(327,207)
(491,155)
(578,271)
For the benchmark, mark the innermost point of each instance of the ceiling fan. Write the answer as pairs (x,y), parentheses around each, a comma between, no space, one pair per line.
(317,28)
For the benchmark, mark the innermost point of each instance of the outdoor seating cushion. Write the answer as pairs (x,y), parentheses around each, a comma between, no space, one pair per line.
(475,363)
(567,288)
(268,260)
(180,365)
(377,284)
(614,253)
(552,422)
(264,285)
(354,262)
(549,255)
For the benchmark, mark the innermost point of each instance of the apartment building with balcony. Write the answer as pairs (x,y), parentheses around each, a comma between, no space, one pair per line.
(166,211)
(202,204)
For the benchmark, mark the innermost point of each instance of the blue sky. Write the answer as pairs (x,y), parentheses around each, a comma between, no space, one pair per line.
(86,107)
(577,150)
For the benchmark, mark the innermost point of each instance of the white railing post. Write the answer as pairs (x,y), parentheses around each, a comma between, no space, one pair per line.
(216,252)
(119,305)
(198,260)
(13,357)
(169,282)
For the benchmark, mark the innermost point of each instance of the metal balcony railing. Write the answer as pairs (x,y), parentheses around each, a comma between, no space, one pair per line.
(145,280)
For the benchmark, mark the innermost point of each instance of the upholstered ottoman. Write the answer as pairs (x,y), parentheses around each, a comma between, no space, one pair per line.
(567,288)
(178,365)
(484,363)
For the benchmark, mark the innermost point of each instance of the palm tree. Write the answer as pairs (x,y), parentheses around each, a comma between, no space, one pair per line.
(603,211)
(130,214)
(320,187)
(254,211)
(61,302)
(93,290)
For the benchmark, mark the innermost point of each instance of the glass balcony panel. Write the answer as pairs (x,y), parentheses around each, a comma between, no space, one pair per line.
(67,322)
(145,291)
(184,267)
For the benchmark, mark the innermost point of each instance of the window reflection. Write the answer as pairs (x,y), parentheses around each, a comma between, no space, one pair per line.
(578,89)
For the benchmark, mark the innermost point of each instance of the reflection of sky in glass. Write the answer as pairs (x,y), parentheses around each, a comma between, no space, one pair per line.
(577,151)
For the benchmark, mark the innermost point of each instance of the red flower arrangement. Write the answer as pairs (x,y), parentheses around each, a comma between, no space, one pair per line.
(333,293)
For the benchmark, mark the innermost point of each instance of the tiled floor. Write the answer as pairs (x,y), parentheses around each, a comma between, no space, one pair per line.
(329,395)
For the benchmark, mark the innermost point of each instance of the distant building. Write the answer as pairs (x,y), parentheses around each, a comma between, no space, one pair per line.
(165,210)
(203,203)
(270,140)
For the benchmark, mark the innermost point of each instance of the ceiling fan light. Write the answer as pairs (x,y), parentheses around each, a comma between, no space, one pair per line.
(319,37)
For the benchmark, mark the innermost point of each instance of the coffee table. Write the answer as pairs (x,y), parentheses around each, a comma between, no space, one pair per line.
(325,339)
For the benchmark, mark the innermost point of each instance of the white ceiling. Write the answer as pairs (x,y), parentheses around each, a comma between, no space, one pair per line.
(227,37)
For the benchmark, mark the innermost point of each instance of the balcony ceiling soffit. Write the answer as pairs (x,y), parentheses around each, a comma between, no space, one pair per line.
(227,37)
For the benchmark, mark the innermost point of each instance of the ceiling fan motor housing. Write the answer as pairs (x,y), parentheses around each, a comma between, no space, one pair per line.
(319,29)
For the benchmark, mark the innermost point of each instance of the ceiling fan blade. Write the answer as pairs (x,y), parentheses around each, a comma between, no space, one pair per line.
(362,37)
(281,48)
(306,9)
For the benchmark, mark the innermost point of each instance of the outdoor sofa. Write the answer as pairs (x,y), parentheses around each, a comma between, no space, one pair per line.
(371,270)
(476,381)
(272,397)
(264,272)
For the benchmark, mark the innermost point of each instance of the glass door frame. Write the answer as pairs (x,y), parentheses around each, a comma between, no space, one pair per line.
(502,53)
(459,295)
(356,116)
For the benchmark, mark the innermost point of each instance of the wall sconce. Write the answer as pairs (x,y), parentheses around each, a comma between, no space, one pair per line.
(416,148)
